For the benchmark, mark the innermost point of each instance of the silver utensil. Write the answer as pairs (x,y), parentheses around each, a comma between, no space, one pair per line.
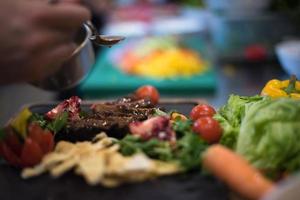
(104,40)
(75,68)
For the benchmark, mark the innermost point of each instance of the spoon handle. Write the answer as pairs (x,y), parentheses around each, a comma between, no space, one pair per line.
(93,29)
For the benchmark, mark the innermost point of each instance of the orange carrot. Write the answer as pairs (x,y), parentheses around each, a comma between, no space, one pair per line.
(236,172)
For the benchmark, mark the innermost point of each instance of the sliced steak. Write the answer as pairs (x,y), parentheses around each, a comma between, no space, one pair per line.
(112,118)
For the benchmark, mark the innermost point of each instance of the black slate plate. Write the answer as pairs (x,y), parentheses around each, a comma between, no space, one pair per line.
(190,186)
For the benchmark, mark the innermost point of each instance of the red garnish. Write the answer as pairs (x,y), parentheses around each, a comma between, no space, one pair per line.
(72,106)
(29,152)
(256,53)
(148,92)
(208,129)
(156,127)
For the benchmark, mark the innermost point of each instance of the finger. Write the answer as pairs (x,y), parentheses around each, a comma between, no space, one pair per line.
(49,62)
(63,16)
(46,39)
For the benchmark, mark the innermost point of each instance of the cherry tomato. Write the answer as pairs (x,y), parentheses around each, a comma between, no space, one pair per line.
(35,132)
(148,92)
(13,141)
(31,153)
(208,128)
(202,110)
(47,143)
(43,138)
(9,155)
(256,53)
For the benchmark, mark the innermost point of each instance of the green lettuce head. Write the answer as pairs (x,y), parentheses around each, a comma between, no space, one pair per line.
(230,117)
(269,135)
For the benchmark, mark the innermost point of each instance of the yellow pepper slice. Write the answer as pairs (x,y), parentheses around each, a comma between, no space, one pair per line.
(19,123)
(274,88)
(278,89)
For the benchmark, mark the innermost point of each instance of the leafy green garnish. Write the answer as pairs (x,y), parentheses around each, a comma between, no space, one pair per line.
(158,112)
(187,150)
(37,118)
(182,127)
(55,126)
(153,148)
(59,122)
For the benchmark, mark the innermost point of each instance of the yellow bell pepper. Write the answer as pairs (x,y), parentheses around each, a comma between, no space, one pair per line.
(278,89)
(19,123)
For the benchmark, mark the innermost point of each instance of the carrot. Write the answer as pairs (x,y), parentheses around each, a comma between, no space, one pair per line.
(236,172)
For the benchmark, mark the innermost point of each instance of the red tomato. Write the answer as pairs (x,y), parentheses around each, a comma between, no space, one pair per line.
(43,138)
(35,133)
(31,153)
(202,110)
(13,141)
(256,53)
(47,142)
(148,92)
(208,128)
(9,155)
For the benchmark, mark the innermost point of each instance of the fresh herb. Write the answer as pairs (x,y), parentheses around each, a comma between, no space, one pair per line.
(189,146)
(37,118)
(187,150)
(55,126)
(153,148)
(158,112)
(58,123)
(182,127)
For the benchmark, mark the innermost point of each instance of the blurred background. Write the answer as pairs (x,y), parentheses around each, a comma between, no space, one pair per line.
(188,49)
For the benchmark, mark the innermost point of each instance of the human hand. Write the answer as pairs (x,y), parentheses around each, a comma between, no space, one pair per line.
(36,37)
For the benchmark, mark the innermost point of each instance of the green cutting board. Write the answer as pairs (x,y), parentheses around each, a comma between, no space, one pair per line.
(106,80)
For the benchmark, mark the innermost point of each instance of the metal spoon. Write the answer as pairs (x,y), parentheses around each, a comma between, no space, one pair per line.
(104,40)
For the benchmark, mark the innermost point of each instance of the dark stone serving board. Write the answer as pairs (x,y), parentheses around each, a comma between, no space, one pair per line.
(188,186)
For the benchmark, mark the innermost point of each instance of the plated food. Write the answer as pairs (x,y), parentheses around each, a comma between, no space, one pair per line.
(250,143)
(161,58)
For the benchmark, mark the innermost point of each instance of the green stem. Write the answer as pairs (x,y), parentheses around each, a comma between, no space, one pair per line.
(291,88)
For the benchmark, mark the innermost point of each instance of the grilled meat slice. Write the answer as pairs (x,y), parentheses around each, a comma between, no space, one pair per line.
(104,110)
(112,118)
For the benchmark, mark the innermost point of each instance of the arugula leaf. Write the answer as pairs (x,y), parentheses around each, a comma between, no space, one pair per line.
(55,126)
(182,127)
(153,148)
(58,123)
(158,112)
(189,149)
(38,119)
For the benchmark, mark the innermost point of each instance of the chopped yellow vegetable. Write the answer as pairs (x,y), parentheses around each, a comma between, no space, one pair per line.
(19,123)
(278,89)
(170,63)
